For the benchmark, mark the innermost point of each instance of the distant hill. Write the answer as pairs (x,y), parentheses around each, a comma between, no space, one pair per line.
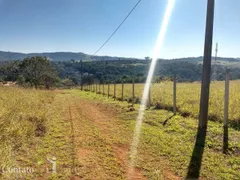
(67,56)
(57,56)
(200,59)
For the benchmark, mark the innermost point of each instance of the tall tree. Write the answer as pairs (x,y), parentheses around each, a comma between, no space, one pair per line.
(37,71)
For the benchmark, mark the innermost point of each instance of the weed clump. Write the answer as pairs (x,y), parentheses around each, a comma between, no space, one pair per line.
(39,124)
(137,100)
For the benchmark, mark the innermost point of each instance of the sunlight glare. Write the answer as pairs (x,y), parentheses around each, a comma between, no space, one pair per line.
(156,53)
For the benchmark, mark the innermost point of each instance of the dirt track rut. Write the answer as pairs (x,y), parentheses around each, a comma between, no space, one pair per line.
(94,130)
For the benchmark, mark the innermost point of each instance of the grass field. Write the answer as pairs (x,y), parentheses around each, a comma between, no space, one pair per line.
(31,122)
(188,98)
(165,150)
(92,134)
(23,115)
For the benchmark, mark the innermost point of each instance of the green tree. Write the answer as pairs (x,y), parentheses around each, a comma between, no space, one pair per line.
(148,58)
(38,71)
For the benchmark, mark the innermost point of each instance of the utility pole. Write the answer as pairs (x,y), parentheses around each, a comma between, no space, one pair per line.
(81,77)
(214,75)
(216,52)
(206,74)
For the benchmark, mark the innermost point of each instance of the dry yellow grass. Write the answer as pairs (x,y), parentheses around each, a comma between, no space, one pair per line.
(22,117)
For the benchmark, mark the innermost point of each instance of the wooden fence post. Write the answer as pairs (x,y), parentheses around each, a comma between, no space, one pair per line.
(226,106)
(174,95)
(103,88)
(122,91)
(108,88)
(114,91)
(149,97)
(99,87)
(81,76)
(133,93)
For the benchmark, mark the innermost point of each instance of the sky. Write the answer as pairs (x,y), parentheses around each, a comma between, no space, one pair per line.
(83,25)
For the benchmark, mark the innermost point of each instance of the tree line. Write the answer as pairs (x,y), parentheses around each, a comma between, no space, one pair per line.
(38,71)
(34,71)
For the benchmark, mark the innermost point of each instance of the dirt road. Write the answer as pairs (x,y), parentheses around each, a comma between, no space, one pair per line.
(100,141)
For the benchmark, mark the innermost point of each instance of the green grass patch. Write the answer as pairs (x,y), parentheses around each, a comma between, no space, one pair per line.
(169,145)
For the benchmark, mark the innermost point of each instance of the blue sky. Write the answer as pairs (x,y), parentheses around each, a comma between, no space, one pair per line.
(83,25)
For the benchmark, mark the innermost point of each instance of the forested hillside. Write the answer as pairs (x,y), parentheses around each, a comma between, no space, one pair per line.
(76,56)
(57,56)
(137,69)
(120,71)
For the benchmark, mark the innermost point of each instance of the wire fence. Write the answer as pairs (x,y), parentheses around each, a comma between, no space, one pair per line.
(181,98)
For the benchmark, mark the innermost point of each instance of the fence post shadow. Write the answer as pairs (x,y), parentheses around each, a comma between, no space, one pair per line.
(166,120)
(196,159)
(225,140)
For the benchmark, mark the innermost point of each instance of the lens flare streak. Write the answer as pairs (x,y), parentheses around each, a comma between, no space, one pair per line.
(156,53)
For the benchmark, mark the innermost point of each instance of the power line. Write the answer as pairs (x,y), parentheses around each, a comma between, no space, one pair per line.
(117,27)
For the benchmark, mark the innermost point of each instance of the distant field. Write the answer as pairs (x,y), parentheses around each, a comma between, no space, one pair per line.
(188,97)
